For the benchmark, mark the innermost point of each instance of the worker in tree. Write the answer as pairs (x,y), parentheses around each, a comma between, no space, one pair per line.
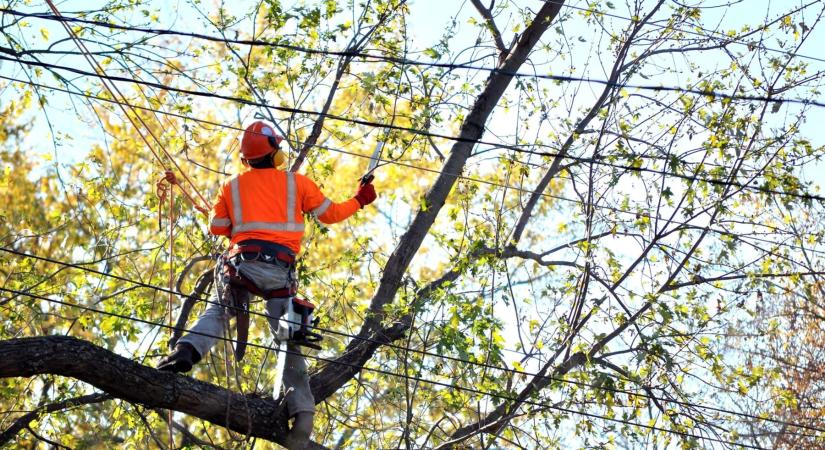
(261,211)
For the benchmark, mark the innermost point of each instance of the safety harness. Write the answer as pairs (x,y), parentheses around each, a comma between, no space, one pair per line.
(294,327)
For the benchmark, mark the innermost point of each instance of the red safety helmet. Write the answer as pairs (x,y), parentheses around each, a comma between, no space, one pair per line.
(259,140)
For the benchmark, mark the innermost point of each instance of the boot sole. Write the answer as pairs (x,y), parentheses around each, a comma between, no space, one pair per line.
(176,366)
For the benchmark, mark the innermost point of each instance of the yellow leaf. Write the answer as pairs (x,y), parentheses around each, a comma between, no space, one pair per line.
(45,33)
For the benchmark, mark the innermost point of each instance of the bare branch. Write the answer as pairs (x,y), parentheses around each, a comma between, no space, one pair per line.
(360,350)
(491,25)
(356,45)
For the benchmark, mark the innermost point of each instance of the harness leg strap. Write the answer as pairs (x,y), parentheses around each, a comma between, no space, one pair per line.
(240,302)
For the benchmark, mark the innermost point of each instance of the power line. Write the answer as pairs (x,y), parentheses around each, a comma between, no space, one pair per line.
(385,58)
(693,91)
(412,166)
(731,39)
(423,352)
(518,149)
(425,169)
(389,373)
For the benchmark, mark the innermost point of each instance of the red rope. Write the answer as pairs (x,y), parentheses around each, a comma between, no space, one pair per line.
(112,88)
(165,187)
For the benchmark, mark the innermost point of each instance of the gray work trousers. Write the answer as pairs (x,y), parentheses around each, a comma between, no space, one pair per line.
(266,276)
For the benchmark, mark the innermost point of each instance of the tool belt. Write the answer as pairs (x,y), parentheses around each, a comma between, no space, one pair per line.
(299,312)
(268,254)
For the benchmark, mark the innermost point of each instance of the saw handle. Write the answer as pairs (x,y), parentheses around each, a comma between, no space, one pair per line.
(367,178)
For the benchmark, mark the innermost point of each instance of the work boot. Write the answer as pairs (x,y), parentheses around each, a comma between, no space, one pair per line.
(298,436)
(181,360)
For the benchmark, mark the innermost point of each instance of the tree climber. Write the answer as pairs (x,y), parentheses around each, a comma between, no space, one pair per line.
(261,211)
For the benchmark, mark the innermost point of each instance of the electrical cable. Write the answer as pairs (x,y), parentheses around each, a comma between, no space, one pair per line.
(424,352)
(731,39)
(385,58)
(557,197)
(390,373)
(560,78)
(518,149)
(435,171)
(624,167)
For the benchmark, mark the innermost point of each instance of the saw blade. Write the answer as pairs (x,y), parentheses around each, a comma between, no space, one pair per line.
(376,156)
(279,370)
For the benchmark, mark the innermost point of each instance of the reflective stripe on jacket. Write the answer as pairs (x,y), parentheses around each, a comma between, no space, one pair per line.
(269,204)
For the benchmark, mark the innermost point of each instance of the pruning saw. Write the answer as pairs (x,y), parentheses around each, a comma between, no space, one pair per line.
(376,156)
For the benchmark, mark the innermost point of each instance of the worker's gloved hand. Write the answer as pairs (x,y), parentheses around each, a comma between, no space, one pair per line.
(366,194)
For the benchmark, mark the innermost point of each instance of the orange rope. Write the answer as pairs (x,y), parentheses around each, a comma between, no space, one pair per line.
(164,188)
(112,88)
(169,176)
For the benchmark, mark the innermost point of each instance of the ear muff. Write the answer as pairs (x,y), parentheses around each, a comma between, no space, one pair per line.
(279,157)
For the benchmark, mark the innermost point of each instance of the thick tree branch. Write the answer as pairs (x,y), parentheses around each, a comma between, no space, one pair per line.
(359,351)
(122,378)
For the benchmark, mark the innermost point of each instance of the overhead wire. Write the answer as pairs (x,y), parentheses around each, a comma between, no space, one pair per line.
(515,148)
(390,373)
(421,352)
(656,88)
(385,58)
(732,39)
(425,169)
(421,168)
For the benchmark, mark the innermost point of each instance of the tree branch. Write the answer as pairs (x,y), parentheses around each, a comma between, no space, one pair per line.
(702,280)
(122,378)
(555,167)
(356,45)
(23,421)
(491,25)
(333,376)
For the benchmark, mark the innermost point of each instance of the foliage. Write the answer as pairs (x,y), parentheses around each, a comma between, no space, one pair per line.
(602,263)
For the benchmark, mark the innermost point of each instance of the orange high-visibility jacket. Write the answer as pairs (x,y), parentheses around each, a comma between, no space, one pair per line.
(269,204)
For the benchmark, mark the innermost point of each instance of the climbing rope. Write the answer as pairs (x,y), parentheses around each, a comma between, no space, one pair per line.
(117,95)
(165,189)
